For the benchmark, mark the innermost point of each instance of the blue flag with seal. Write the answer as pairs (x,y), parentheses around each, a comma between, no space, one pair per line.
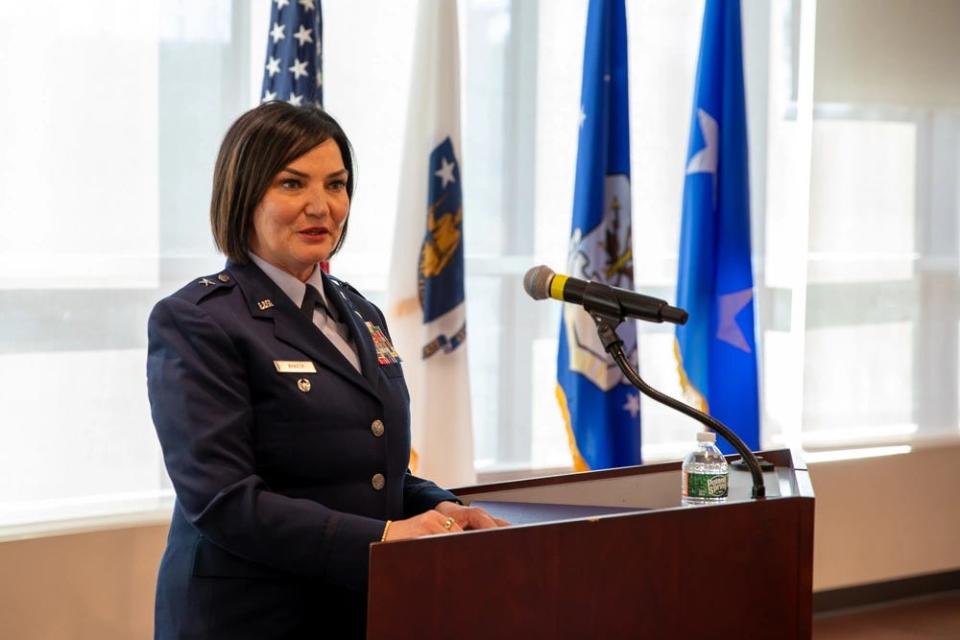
(293,70)
(716,349)
(601,409)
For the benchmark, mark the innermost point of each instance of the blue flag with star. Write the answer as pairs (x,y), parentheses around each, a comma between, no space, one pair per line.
(717,347)
(293,69)
(601,409)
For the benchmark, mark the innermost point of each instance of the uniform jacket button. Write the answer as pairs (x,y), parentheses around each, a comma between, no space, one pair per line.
(378,481)
(377,428)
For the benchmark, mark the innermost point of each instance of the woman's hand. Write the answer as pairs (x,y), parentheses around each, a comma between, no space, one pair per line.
(447,517)
(470,517)
(428,523)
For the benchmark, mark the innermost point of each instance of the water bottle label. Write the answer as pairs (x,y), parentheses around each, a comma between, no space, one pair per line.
(706,485)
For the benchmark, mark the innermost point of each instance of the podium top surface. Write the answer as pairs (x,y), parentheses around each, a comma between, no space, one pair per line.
(642,487)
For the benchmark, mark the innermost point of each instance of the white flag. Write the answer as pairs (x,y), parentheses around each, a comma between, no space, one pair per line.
(426,307)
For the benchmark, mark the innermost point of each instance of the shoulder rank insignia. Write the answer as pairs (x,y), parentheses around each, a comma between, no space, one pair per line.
(206,282)
(344,285)
(385,351)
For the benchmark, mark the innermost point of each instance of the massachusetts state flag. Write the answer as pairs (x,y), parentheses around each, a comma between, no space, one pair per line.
(717,348)
(601,408)
(293,70)
(426,303)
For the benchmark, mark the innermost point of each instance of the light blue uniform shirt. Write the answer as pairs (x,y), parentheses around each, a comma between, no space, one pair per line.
(335,331)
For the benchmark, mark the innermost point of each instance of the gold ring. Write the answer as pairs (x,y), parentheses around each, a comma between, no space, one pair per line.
(448,523)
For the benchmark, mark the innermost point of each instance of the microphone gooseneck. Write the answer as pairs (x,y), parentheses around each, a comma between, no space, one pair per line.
(609,306)
(614,346)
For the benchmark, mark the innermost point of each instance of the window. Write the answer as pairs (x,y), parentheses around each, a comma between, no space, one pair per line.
(862,321)
(109,140)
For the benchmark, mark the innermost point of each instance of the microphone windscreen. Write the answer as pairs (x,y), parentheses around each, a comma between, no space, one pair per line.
(537,282)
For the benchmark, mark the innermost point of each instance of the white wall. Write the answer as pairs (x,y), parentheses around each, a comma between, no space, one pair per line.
(96,585)
(885,518)
(900,52)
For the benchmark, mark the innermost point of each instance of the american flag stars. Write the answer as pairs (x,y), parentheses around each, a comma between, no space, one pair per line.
(299,69)
(303,35)
(273,65)
(293,64)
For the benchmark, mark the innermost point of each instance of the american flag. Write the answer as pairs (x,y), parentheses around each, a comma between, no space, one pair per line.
(293,70)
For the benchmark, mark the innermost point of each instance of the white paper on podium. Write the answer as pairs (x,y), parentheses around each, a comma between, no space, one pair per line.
(535,512)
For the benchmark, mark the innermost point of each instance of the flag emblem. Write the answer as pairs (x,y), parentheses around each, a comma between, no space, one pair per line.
(604,255)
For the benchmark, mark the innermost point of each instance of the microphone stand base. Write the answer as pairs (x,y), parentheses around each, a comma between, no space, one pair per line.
(741,464)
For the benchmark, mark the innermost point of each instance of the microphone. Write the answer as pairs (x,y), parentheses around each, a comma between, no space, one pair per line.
(541,282)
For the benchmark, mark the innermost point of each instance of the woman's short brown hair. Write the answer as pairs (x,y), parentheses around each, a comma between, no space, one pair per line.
(256,148)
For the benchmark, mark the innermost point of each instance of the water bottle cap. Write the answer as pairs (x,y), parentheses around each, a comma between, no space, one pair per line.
(706,436)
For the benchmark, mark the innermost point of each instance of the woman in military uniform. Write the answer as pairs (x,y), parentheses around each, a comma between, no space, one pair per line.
(280,405)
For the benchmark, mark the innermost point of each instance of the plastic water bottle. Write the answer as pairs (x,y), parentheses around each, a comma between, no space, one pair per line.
(705,472)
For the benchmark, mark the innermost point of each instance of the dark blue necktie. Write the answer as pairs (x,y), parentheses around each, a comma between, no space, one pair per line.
(312,300)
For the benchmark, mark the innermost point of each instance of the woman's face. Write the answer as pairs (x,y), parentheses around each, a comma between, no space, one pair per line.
(301,216)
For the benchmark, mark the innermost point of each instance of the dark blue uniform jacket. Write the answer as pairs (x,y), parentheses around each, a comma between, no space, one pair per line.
(283,477)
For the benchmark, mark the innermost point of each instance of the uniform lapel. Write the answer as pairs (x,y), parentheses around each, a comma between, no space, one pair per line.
(267,301)
(358,329)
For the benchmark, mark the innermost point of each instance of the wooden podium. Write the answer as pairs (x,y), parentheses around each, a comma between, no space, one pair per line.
(741,569)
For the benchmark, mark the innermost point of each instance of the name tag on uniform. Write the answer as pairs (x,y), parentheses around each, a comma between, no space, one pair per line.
(294,366)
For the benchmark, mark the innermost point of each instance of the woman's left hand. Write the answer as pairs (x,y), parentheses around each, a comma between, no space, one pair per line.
(470,517)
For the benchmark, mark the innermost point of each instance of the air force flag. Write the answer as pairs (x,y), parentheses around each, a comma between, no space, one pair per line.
(426,303)
(601,409)
(717,348)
